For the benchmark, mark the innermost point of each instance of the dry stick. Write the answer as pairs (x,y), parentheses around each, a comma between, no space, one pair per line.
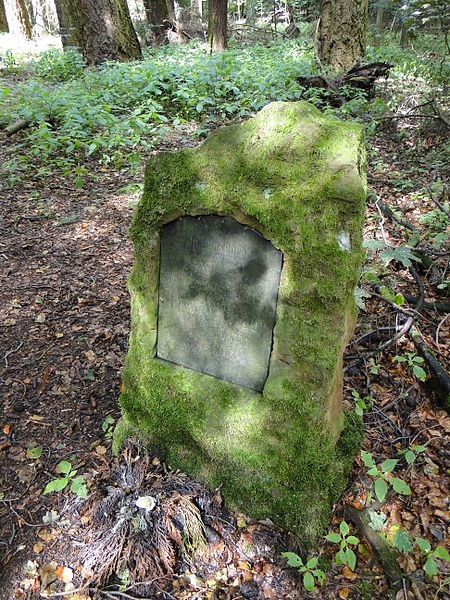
(385,555)
(434,365)
(17,126)
(12,352)
(438,328)
(438,111)
(436,201)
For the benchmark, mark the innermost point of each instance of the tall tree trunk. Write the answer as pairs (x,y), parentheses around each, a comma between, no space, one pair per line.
(18,19)
(404,36)
(341,32)
(160,15)
(3,22)
(102,29)
(217,25)
(380,15)
(65,31)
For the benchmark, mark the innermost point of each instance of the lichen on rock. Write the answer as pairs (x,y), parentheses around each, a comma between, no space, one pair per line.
(298,178)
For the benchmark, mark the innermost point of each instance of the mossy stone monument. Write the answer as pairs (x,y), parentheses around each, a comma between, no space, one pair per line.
(247,253)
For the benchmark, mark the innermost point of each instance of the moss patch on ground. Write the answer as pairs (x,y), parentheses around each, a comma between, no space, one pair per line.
(297,177)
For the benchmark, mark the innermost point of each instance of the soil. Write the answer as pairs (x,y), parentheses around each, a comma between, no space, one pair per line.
(65,319)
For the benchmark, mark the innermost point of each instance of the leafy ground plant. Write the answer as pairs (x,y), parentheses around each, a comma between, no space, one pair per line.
(77,484)
(345,555)
(382,475)
(361,404)
(413,362)
(309,570)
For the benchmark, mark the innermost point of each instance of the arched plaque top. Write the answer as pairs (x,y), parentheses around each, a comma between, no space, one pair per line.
(218,289)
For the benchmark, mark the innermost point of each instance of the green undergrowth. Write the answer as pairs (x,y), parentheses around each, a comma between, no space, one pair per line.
(119,109)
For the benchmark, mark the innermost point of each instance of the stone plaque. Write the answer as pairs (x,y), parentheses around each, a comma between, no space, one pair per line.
(218,289)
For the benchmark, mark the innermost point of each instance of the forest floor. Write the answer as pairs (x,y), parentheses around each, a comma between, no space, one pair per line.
(65,318)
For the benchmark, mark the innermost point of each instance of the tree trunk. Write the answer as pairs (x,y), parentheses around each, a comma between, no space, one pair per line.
(102,29)
(3,22)
(217,25)
(380,14)
(18,19)
(65,31)
(341,33)
(160,15)
(404,36)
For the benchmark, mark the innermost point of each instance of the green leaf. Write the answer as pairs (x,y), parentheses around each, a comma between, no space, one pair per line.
(64,467)
(320,576)
(410,456)
(333,537)
(424,545)
(350,558)
(56,485)
(419,373)
(399,299)
(312,562)
(388,465)
(401,254)
(308,581)
(419,448)
(367,459)
(373,471)
(418,359)
(400,486)
(344,528)
(380,489)
(78,487)
(430,567)
(34,453)
(352,540)
(294,560)
(441,553)
(402,541)
(400,359)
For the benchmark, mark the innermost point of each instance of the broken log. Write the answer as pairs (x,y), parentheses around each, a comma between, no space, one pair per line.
(359,76)
(17,126)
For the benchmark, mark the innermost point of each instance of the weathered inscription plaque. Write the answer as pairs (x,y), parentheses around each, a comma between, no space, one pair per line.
(218,292)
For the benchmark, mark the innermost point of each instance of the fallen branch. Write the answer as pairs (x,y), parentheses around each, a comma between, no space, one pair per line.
(438,111)
(438,306)
(17,126)
(386,555)
(439,376)
(436,201)
(359,76)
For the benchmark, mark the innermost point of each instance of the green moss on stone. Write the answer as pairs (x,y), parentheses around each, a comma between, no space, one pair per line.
(297,177)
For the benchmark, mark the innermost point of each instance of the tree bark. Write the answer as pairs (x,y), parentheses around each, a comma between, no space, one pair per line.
(17,18)
(161,16)
(380,15)
(341,33)
(102,29)
(217,25)
(3,22)
(404,36)
(65,30)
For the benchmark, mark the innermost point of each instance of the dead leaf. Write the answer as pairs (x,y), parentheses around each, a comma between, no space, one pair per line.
(44,379)
(48,574)
(7,428)
(38,547)
(100,450)
(348,573)
(90,356)
(59,334)
(40,318)
(343,593)
(64,574)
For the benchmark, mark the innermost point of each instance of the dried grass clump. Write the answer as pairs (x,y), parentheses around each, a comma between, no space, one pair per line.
(119,536)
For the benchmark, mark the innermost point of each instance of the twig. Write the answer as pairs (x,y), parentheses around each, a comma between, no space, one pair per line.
(438,328)
(12,352)
(438,111)
(436,201)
